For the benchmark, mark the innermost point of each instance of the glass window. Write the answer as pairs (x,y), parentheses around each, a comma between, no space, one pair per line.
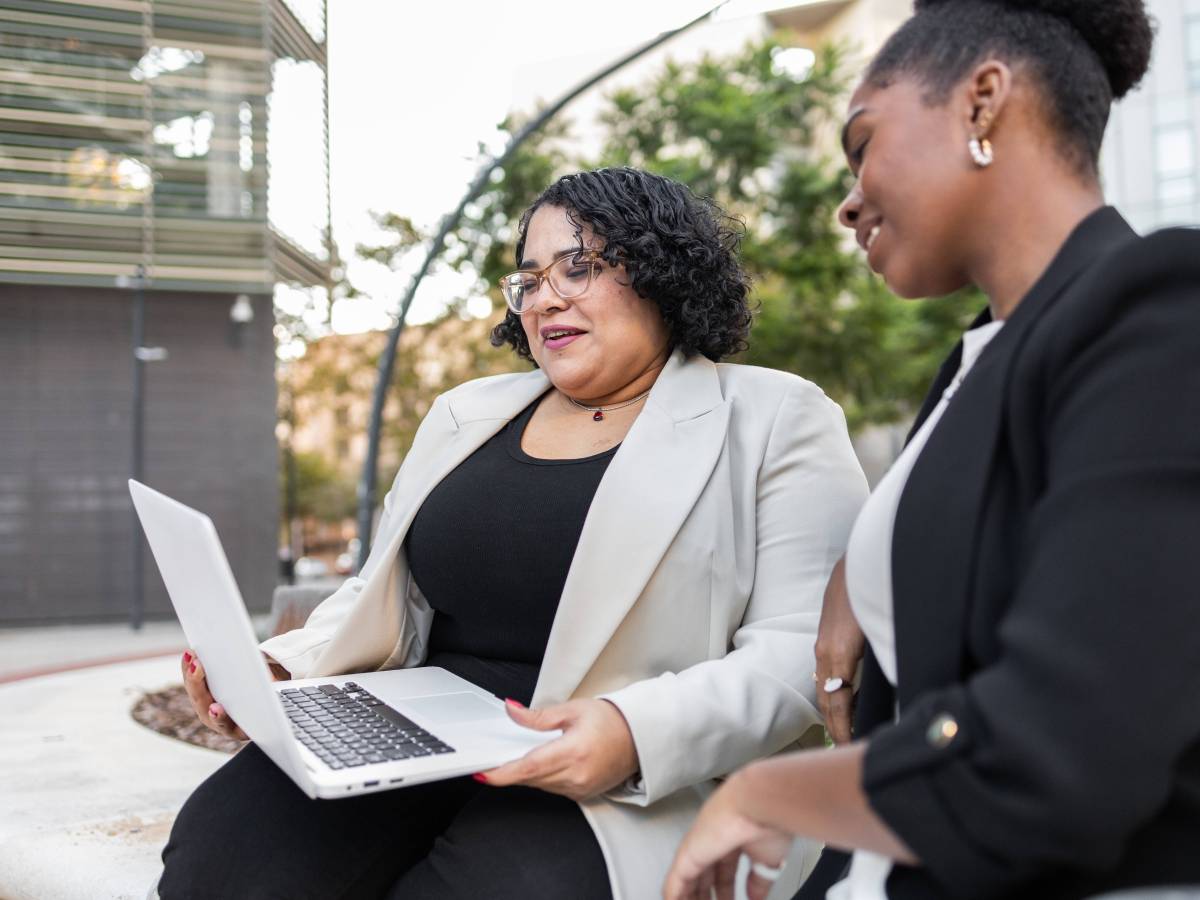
(1191,37)
(115,116)
(1180,189)
(310,14)
(296,143)
(1173,151)
(1174,165)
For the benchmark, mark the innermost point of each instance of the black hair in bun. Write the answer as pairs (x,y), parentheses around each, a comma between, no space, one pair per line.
(1084,53)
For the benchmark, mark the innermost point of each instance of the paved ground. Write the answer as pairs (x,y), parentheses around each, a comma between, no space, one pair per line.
(30,651)
(87,795)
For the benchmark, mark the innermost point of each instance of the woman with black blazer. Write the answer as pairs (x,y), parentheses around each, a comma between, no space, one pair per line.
(1026,579)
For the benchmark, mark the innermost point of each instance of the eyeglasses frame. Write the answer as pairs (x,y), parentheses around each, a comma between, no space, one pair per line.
(592,258)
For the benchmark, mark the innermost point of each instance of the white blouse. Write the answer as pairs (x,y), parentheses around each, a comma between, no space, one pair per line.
(869,584)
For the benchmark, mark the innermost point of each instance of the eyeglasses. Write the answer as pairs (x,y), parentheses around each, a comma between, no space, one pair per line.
(569,277)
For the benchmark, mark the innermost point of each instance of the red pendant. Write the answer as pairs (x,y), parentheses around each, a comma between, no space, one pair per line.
(598,416)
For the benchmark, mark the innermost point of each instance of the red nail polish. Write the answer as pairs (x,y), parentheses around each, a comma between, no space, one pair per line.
(187,657)
(517,703)
(480,777)
(192,669)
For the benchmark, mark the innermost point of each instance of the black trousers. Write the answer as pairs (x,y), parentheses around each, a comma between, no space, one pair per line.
(248,833)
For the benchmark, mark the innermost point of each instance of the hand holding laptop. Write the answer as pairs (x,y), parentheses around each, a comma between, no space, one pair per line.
(334,736)
(208,710)
(595,753)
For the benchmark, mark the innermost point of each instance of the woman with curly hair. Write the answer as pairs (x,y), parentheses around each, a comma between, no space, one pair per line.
(1024,580)
(632,541)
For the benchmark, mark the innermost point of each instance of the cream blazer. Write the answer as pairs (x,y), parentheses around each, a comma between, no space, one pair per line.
(693,597)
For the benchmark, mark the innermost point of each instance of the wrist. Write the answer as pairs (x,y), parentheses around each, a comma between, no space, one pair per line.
(631,762)
(745,787)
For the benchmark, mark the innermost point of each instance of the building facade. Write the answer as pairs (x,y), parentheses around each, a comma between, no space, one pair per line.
(1148,163)
(134,182)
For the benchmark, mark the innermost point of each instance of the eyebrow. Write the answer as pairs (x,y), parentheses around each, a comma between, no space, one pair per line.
(846,129)
(532,263)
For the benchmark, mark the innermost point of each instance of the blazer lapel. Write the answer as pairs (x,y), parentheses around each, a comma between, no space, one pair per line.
(472,418)
(645,496)
(465,423)
(936,531)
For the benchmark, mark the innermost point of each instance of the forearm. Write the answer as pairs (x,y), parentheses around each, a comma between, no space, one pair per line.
(817,794)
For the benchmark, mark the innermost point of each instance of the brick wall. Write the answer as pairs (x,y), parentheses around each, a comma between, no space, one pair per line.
(65,444)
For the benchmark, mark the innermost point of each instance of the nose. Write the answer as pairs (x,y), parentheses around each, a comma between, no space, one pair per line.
(851,207)
(545,299)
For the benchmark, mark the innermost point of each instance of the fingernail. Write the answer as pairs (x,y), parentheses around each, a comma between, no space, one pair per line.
(517,703)
(187,657)
(214,711)
(192,669)
(480,777)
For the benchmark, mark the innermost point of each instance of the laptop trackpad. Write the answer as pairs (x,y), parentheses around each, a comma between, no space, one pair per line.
(445,709)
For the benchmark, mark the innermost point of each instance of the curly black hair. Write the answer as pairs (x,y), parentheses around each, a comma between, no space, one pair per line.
(1082,53)
(679,250)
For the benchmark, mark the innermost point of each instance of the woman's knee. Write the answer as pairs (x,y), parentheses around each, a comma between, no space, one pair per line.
(225,827)
(511,843)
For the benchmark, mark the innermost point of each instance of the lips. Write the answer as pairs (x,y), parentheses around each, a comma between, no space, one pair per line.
(866,236)
(555,337)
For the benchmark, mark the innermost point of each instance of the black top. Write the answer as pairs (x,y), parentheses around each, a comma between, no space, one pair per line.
(490,549)
(1047,596)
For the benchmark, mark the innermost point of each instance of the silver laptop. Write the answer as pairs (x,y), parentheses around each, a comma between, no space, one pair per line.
(336,736)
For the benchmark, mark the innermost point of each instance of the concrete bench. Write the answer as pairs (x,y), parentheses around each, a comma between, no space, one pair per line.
(291,604)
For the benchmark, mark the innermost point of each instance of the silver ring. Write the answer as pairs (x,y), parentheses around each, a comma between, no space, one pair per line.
(835,684)
(768,873)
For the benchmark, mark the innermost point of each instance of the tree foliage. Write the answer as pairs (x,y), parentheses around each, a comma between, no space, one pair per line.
(760,141)
(749,133)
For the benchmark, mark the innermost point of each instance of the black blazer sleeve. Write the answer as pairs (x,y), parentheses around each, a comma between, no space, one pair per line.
(1066,742)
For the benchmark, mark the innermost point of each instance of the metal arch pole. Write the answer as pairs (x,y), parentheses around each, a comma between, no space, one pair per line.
(138,463)
(387,362)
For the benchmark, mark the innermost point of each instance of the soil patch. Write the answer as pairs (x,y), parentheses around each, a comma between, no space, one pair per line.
(169,712)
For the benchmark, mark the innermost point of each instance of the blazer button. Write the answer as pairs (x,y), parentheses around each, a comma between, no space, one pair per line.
(942,730)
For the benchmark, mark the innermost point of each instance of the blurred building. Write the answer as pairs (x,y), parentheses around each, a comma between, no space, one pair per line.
(134,139)
(1150,152)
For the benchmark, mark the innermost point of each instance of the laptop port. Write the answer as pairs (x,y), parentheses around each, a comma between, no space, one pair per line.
(370,784)
(396,781)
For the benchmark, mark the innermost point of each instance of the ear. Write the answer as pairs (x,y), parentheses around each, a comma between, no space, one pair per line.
(986,92)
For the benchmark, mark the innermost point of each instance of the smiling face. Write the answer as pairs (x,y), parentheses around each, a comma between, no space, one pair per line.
(913,203)
(601,346)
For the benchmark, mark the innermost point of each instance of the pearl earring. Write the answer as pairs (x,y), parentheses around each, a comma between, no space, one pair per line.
(981,152)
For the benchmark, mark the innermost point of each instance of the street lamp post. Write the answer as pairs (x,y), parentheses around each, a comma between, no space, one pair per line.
(138,464)
(141,356)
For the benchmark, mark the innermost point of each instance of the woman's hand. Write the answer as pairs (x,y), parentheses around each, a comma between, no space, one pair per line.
(208,710)
(595,753)
(839,648)
(707,859)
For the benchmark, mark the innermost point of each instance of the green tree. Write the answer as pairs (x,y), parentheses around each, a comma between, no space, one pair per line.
(321,491)
(747,132)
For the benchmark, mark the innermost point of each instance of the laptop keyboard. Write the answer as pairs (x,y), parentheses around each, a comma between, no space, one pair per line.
(347,727)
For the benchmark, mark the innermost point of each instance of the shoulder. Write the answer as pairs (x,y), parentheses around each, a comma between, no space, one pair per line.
(1143,293)
(767,389)
(783,410)
(1158,260)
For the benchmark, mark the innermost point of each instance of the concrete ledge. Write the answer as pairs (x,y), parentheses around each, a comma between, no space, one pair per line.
(291,604)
